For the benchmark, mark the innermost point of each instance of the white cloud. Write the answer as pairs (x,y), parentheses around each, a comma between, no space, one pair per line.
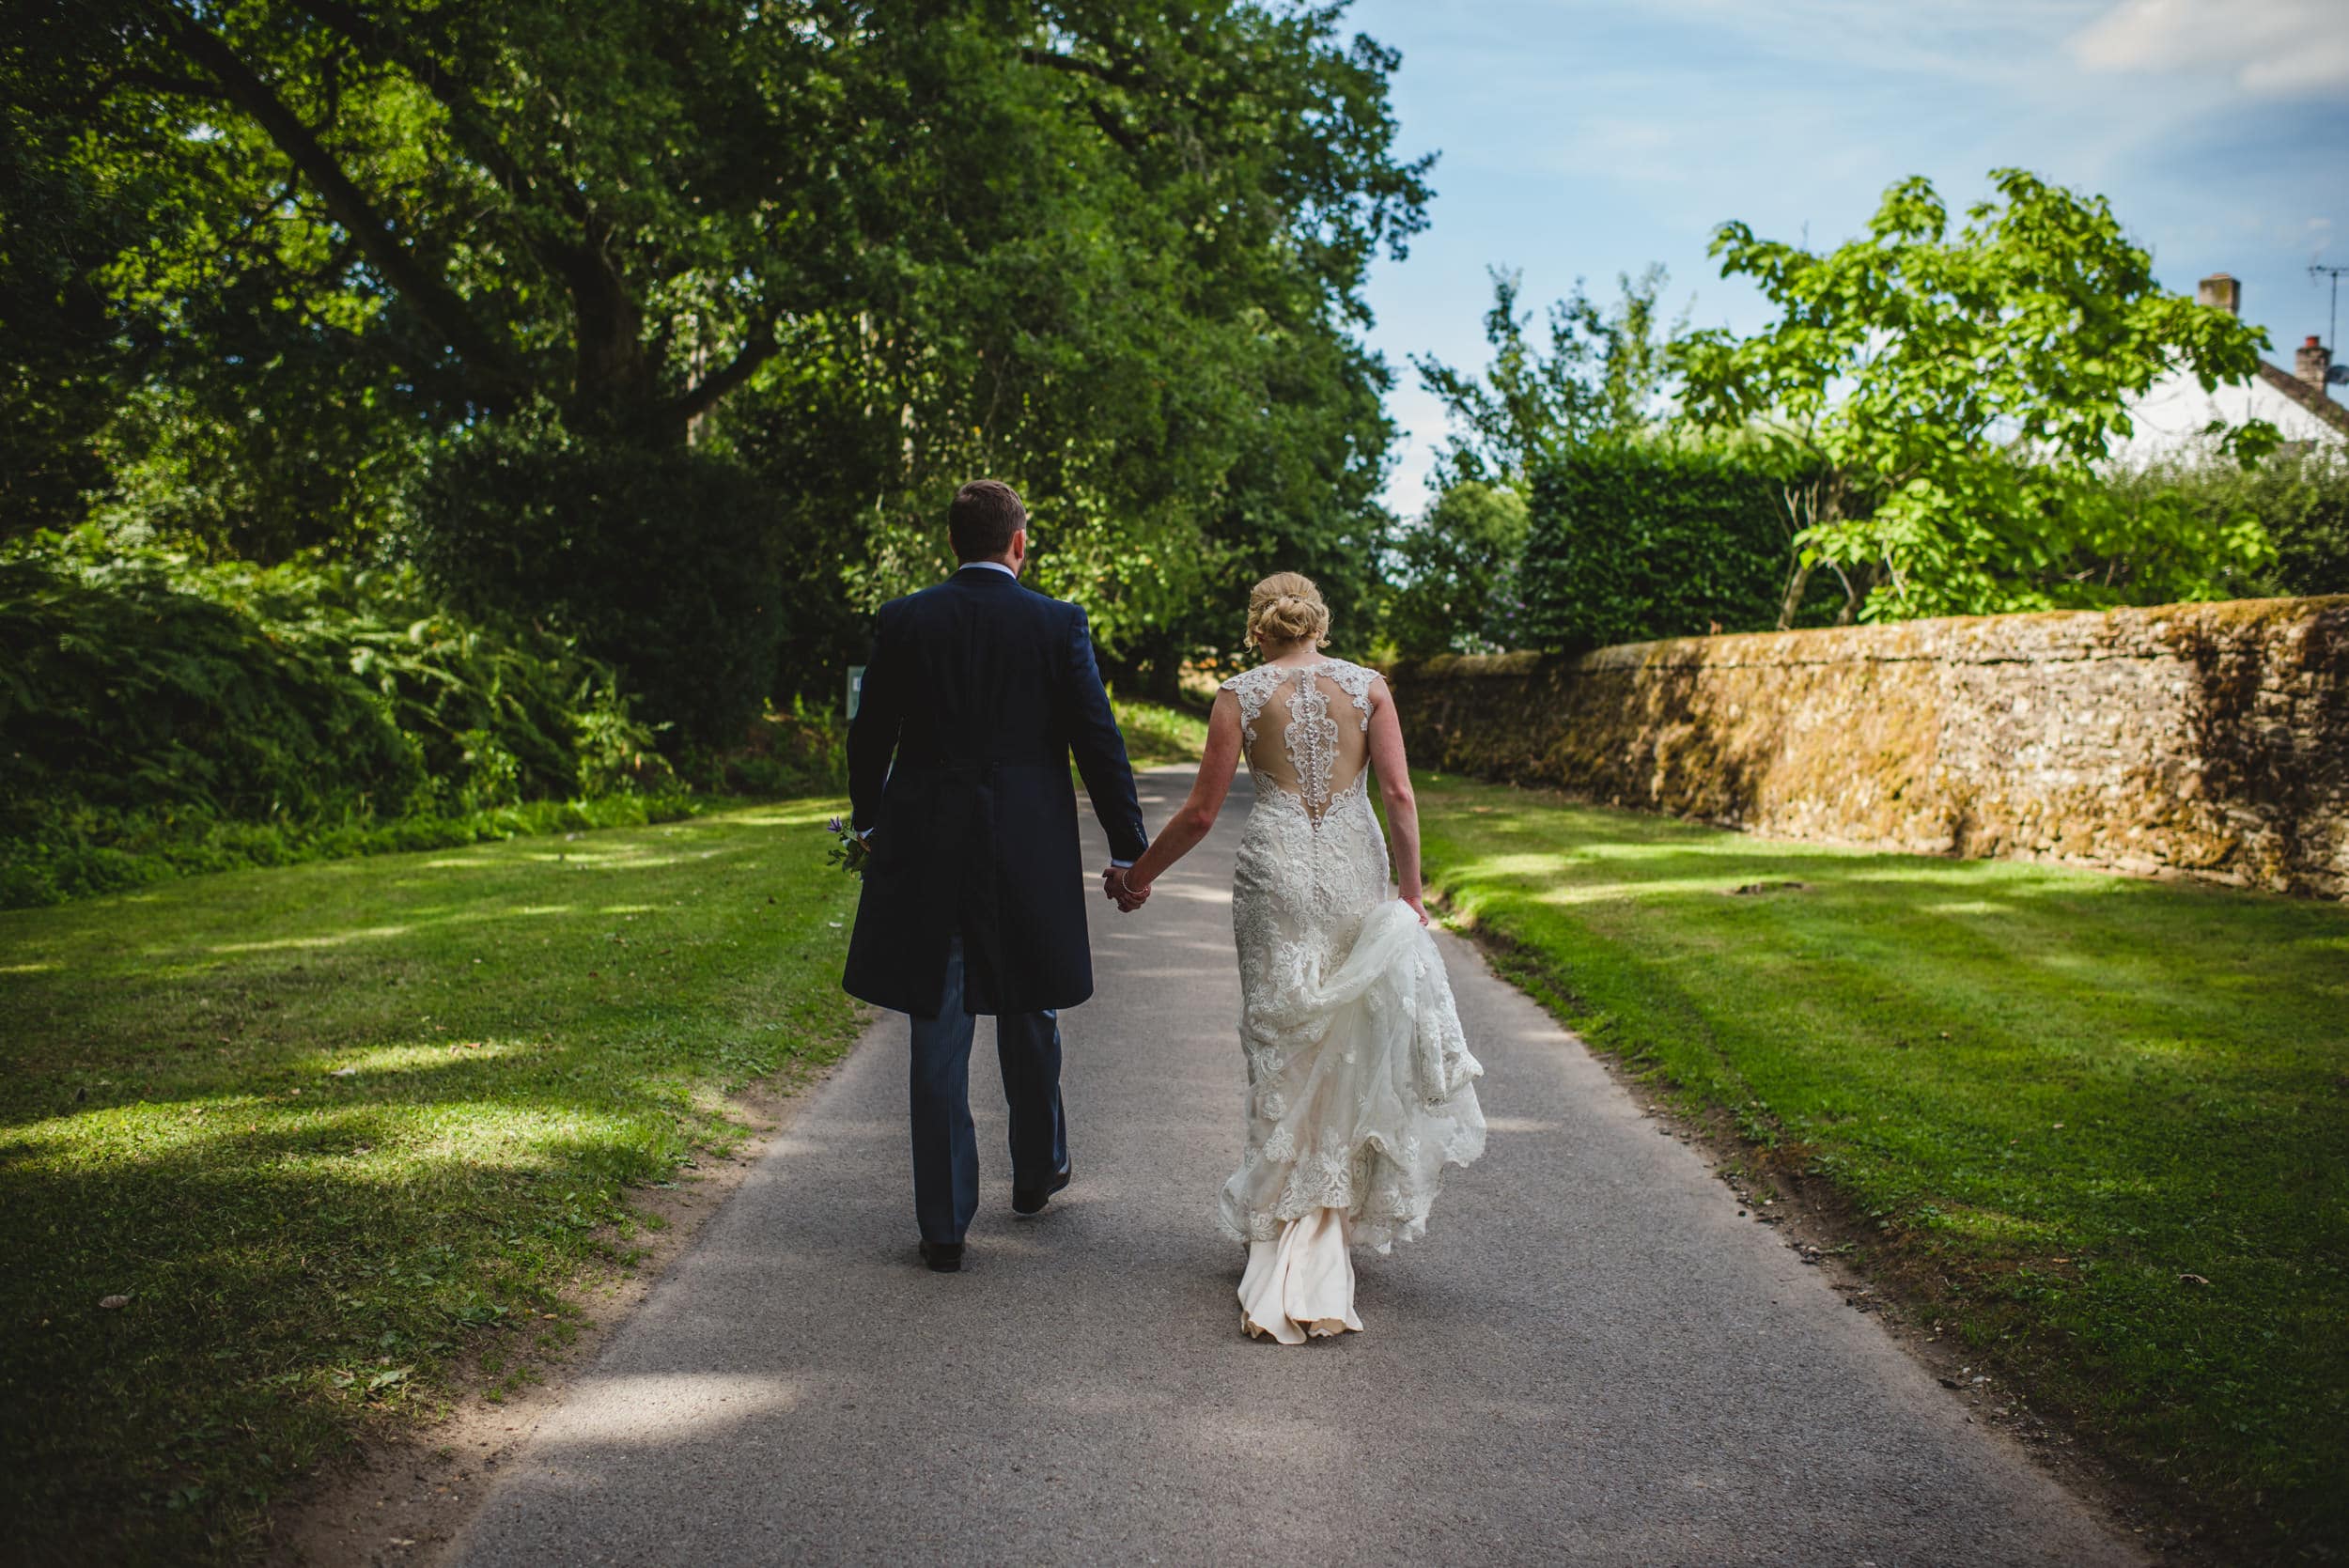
(2271,48)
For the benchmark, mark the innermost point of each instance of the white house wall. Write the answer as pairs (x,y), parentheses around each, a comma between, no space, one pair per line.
(2172,415)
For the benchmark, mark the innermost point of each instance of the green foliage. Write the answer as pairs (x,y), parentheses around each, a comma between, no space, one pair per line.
(1456,569)
(70,203)
(797,750)
(1302,495)
(152,708)
(354,1138)
(1460,591)
(1955,393)
(2298,499)
(661,563)
(2093,1124)
(2008,533)
(1629,541)
(1598,382)
(1111,253)
(664,329)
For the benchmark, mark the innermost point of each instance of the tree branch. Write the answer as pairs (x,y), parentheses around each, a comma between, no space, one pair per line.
(761,347)
(465,115)
(600,300)
(1111,126)
(1114,127)
(1053,60)
(428,295)
(153,81)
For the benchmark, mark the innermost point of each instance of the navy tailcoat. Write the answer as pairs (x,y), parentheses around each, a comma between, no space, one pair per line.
(977,693)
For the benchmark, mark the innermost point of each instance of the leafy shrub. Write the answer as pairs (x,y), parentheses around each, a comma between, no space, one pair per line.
(1459,590)
(802,751)
(2301,499)
(662,562)
(1630,541)
(161,715)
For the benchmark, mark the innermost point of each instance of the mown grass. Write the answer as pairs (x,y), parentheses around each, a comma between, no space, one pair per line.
(341,1130)
(2100,1125)
(62,860)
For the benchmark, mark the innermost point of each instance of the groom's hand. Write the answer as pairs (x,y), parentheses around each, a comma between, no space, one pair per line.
(1114,888)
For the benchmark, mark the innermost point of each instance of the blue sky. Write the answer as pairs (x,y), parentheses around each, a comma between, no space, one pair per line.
(1580,138)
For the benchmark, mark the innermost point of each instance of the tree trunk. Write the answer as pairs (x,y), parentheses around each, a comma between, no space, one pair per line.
(1797,584)
(1858,584)
(616,387)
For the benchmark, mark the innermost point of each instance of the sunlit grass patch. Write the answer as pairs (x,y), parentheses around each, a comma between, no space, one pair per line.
(327,1130)
(2101,1123)
(1156,734)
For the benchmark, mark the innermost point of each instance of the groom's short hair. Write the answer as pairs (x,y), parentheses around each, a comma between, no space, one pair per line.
(984,516)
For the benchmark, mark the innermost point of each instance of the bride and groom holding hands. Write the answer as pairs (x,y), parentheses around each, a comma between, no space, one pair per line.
(1359,1086)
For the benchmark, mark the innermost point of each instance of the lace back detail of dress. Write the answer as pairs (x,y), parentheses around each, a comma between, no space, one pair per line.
(1290,724)
(1359,1080)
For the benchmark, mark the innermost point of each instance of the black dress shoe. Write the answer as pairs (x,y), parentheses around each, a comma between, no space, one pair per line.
(1031,1199)
(945,1257)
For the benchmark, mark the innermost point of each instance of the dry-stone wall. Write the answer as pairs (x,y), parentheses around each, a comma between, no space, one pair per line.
(2202,739)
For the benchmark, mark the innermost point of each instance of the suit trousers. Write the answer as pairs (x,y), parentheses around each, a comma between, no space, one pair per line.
(946,1143)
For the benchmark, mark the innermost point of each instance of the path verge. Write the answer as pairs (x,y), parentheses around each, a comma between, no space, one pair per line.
(2077,1123)
(297,1155)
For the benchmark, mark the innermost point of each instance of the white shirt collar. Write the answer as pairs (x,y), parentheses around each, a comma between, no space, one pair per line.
(990,566)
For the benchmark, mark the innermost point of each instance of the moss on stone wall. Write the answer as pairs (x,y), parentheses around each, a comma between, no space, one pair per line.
(2204,739)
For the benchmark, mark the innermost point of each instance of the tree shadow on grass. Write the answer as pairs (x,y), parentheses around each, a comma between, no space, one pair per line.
(280,1283)
(299,1246)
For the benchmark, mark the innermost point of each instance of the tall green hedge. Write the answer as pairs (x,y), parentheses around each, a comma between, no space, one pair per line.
(1632,541)
(2299,497)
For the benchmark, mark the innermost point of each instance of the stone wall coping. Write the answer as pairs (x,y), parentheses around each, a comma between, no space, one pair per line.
(2056,636)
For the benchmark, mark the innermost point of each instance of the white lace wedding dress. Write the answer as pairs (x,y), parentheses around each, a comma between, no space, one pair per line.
(1361,1087)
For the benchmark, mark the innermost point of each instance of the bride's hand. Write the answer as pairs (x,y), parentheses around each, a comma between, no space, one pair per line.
(1121,892)
(1418,907)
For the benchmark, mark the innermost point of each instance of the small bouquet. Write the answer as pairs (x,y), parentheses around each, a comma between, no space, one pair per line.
(850,853)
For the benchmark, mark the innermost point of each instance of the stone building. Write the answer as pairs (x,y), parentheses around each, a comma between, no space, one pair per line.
(2170,417)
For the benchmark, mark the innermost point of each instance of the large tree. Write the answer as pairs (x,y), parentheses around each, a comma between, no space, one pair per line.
(860,251)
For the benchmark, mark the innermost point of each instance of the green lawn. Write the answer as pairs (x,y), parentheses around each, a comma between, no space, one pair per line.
(1156,734)
(2067,1100)
(336,1129)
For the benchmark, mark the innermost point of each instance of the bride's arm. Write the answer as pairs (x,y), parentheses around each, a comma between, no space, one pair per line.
(1394,788)
(1186,826)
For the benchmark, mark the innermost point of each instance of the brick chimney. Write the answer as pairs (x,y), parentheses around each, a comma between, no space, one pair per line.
(2311,362)
(2223,290)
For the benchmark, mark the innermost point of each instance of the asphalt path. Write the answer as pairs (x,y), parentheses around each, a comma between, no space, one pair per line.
(1590,1359)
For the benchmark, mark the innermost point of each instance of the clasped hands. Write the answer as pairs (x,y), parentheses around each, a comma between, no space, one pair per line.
(1115,888)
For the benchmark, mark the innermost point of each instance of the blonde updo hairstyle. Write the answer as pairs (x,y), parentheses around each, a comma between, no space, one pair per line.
(1286,608)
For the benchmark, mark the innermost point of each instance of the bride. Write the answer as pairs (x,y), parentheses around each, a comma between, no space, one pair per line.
(1360,1082)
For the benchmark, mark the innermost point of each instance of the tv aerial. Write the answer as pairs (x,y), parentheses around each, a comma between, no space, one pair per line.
(2339,374)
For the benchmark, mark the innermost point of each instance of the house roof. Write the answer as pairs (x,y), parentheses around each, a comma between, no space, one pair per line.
(2312,399)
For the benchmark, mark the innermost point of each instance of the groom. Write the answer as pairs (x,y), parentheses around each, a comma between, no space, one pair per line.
(973,900)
